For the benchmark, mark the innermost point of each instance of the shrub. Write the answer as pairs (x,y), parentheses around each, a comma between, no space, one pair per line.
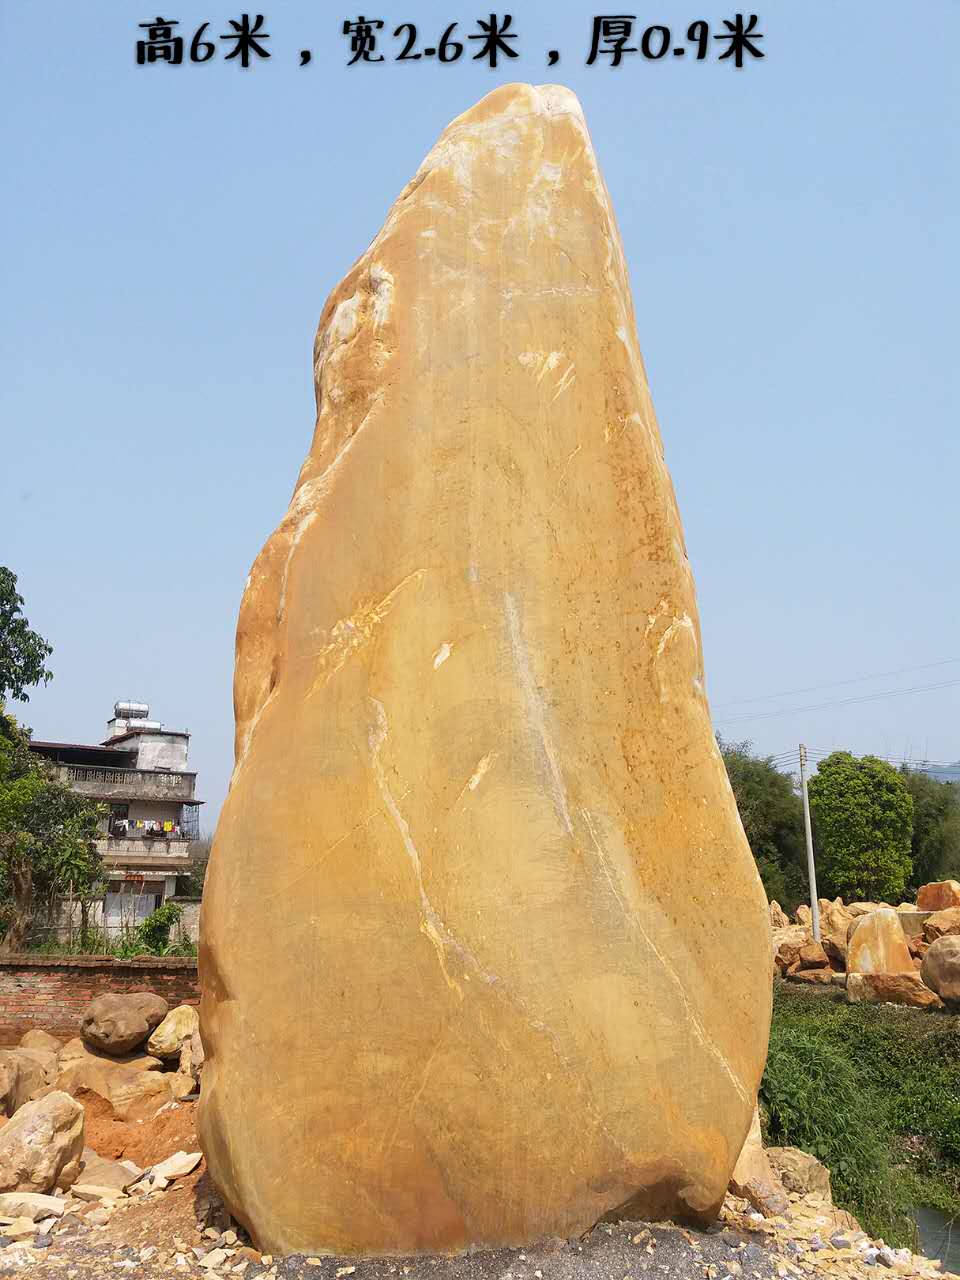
(874,1092)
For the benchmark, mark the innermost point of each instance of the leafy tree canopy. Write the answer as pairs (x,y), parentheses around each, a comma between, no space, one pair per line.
(772,817)
(863,817)
(935,848)
(23,653)
(46,838)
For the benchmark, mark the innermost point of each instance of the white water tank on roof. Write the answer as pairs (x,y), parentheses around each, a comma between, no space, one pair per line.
(131,710)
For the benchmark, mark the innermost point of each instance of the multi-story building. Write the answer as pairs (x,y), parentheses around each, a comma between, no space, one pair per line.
(139,773)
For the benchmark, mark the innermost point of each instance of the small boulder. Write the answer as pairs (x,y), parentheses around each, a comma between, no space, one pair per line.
(42,1145)
(813,956)
(22,1073)
(37,1039)
(754,1178)
(177,1027)
(940,895)
(101,1172)
(891,988)
(834,916)
(817,977)
(856,909)
(178,1165)
(133,1094)
(878,944)
(941,968)
(940,924)
(118,1023)
(75,1051)
(30,1204)
(913,922)
(799,1172)
(787,943)
(778,917)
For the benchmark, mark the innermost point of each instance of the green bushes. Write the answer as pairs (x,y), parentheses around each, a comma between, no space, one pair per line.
(150,938)
(874,1092)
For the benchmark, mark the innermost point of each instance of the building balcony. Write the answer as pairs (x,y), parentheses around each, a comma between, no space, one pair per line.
(168,852)
(103,783)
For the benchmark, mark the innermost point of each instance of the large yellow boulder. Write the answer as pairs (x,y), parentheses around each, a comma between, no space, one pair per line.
(480,909)
(877,944)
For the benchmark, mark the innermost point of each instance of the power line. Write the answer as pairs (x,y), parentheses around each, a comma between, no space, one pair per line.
(911,764)
(841,702)
(816,754)
(813,688)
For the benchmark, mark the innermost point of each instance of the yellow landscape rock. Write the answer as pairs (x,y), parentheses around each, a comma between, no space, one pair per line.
(480,907)
(939,896)
(940,924)
(133,1094)
(941,969)
(879,945)
(753,1175)
(891,988)
(76,1050)
(778,917)
(180,1024)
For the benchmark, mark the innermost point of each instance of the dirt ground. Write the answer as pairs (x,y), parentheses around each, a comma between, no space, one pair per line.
(143,1142)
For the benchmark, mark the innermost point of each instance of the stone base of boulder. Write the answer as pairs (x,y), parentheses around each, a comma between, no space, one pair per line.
(891,988)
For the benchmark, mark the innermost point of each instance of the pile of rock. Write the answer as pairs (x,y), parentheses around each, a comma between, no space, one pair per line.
(132,1050)
(908,954)
(785,1194)
(88,1187)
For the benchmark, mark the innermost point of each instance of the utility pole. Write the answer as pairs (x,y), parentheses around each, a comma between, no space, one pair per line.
(811,867)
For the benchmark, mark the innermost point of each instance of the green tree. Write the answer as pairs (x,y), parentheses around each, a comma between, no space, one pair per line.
(935,848)
(23,653)
(46,839)
(863,817)
(772,817)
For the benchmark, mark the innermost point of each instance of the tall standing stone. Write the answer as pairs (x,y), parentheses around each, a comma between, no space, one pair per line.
(484,953)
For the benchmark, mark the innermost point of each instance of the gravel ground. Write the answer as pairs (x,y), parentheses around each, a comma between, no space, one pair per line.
(609,1252)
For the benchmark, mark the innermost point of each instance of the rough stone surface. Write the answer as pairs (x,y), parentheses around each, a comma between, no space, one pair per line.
(800,1172)
(177,1028)
(133,1094)
(75,1051)
(912,922)
(878,944)
(108,1173)
(21,1075)
(941,923)
(118,1023)
(505,956)
(38,1039)
(812,956)
(30,1204)
(42,1146)
(940,970)
(891,988)
(778,917)
(938,896)
(753,1175)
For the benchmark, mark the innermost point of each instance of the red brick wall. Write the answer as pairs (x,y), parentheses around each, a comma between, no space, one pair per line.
(51,992)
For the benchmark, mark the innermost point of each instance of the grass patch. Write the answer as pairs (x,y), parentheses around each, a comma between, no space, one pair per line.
(874,1092)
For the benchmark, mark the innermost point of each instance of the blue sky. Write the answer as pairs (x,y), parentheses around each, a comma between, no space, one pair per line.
(170,235)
